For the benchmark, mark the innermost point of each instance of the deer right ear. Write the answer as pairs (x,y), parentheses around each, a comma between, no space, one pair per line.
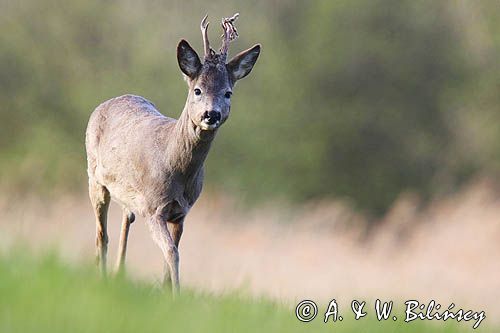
(189,62)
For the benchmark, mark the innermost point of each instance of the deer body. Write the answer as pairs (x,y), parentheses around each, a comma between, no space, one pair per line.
(146,161)
(153,165)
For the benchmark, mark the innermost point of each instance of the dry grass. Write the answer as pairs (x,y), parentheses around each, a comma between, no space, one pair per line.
(448,251)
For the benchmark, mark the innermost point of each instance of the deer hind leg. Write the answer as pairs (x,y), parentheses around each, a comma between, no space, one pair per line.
(127,220)
(163,238)
(175,229)
(99,196)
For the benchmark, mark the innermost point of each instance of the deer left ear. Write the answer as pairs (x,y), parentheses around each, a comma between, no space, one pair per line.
(241,65)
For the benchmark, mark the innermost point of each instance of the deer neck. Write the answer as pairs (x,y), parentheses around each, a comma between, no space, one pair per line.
(190,145)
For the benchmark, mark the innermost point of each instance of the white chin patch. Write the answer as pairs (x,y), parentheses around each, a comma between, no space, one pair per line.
(209,127)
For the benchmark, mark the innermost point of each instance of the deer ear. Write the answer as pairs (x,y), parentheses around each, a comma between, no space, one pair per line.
(189,62)
(241,65)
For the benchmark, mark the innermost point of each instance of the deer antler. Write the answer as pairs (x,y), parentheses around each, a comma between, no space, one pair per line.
(230,33)
(204,32)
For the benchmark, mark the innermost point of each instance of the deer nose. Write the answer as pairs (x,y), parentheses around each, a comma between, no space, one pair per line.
(211,117)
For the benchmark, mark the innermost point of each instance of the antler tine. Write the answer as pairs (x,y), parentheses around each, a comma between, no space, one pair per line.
(204,32)
(230,33)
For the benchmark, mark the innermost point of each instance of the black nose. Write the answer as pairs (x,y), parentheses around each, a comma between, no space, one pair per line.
(211,117)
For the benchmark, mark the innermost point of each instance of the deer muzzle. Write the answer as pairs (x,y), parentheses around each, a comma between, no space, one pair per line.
(210,120)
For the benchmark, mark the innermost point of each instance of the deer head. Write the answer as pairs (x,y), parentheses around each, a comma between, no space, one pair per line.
(211,82)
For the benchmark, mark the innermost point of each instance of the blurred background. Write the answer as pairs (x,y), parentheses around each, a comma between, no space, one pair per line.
(361,158)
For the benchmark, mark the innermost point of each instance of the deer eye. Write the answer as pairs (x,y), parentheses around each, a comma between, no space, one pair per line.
(197,92)
(228,94)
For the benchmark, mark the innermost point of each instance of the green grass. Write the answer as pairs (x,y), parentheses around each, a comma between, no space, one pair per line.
(45,295)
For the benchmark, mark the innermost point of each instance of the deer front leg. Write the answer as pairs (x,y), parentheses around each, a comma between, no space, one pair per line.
(175,229)
(162,237)
(128,219)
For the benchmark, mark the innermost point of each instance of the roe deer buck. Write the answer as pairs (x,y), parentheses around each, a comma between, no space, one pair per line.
(152,165)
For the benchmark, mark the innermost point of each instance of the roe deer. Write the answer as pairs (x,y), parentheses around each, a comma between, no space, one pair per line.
(152,165)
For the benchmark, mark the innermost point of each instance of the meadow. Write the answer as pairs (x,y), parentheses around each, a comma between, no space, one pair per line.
(41,294)
(242,269)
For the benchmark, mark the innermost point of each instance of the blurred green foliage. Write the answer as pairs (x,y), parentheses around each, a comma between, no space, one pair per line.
(356,99)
